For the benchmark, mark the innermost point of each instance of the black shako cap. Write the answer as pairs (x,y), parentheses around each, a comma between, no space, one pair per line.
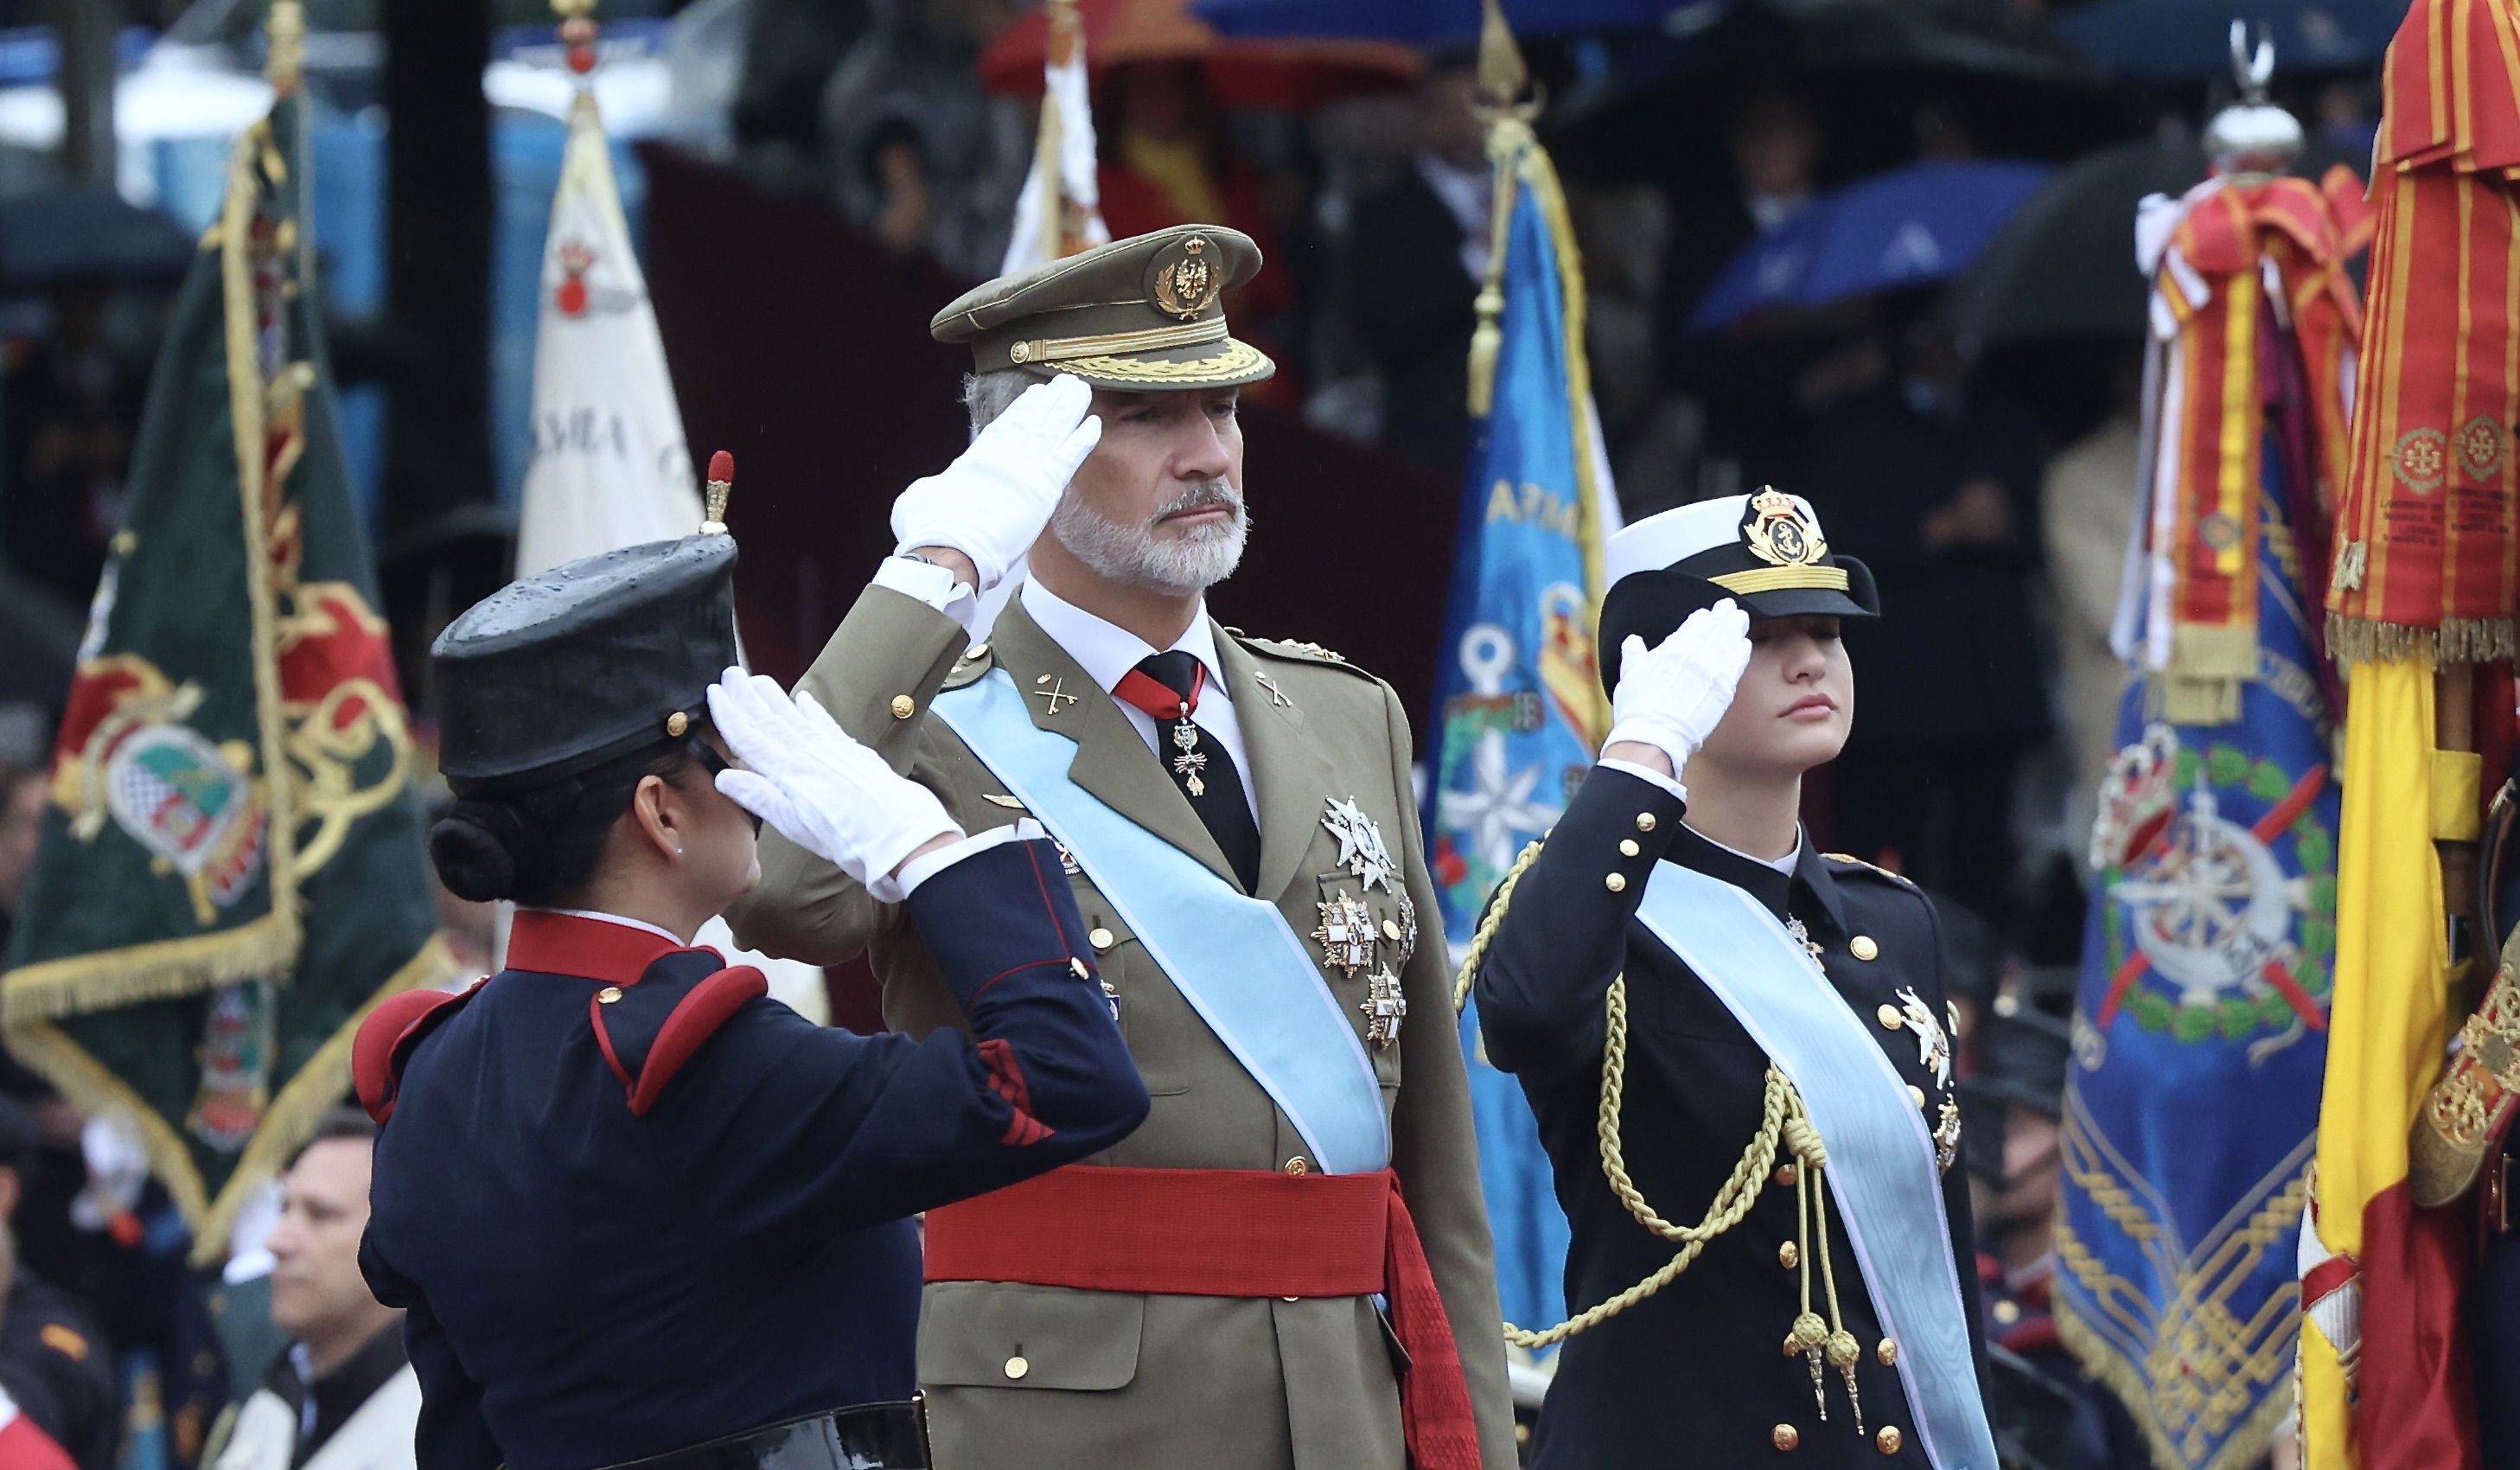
(557,672)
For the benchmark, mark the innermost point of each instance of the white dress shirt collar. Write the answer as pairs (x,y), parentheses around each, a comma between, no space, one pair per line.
(605,918)
(1106,651)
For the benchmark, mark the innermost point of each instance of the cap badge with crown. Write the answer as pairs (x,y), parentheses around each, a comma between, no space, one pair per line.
(1777,532)
(1187,285)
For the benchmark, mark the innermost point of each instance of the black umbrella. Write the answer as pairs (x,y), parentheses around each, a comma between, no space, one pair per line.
(1663,109)
(2064,264)
(87,232)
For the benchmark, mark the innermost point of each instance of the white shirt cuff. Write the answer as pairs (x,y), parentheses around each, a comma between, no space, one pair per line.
(892,888)
(932,584)
(1648,773)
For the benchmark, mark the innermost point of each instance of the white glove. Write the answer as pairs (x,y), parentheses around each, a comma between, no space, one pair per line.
(804,775)
(1673,695)
(992,503)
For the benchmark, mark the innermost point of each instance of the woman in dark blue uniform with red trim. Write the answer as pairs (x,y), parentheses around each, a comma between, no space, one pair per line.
(631,1205)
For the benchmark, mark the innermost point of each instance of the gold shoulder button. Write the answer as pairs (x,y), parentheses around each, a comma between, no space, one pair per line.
(975,660)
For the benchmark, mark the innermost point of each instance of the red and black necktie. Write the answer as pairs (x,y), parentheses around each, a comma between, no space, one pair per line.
(1167,686)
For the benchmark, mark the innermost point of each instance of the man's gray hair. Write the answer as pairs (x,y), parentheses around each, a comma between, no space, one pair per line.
(985,396)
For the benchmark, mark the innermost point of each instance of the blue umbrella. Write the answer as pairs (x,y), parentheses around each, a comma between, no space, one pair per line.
(2183,40)
(1426,22)
(1911,226)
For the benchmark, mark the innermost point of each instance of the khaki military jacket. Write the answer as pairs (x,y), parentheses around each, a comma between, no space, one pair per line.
(1110,1381)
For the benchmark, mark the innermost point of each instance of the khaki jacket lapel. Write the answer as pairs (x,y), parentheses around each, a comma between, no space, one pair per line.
(1112,759)
(1288,774)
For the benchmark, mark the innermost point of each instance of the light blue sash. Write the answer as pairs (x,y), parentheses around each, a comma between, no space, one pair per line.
(1236,959)
(1880,1157)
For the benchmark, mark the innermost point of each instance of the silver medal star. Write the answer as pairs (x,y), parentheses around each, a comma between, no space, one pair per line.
(1360,850)
(1933,1043)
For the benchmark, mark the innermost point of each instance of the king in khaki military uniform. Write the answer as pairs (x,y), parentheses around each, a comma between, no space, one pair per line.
(1289,1263)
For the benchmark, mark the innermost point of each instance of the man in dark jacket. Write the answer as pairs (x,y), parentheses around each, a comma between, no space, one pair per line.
(1939,489)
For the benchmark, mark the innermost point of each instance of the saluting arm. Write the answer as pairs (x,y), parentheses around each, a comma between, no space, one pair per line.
(854,1130)
(894,650)
(1434,1147)
(1564,935)
(1563,939)
(890,645)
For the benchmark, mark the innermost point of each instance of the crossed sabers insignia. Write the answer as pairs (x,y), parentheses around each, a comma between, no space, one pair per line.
(1050,696)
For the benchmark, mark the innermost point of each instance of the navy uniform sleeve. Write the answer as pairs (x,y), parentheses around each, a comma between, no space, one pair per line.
(1957,1208)
(841,1132)
(1542,984)
(451,1433)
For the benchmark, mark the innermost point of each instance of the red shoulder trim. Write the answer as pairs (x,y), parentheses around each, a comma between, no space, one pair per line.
(385,1038)
(695,1020)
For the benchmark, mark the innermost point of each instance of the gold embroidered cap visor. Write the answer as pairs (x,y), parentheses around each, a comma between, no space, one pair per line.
(1146,314)
(1763,551)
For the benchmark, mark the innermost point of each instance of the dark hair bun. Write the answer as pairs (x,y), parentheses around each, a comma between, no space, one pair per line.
(475,847)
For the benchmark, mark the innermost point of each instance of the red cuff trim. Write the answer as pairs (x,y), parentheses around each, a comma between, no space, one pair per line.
(710,1006)
(1006,1079)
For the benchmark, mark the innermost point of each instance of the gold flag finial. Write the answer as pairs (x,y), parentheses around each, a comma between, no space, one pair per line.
(1502,76)
(286,31)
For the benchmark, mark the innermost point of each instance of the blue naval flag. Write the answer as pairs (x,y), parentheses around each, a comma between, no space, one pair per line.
(1519,703)
(2199,1038)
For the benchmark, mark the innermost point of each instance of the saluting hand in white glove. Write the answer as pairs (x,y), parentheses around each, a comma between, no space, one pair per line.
(804,775)
(992,503)
(1671,696)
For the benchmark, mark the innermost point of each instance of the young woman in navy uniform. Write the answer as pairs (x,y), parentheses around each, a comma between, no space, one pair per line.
(632,1207)
(1738,1049)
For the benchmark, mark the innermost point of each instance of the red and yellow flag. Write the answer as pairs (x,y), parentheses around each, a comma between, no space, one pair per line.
(2428,563)
(2426,573)
(2385,1382)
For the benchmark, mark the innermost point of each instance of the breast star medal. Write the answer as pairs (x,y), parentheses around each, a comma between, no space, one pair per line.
(1346,934)
(1384,1008)
(1933,1043)
(1408,930)
(1190,760)
(1947,1135)
(1360,848)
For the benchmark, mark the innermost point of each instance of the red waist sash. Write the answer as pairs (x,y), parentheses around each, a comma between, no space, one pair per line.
(1221,1232)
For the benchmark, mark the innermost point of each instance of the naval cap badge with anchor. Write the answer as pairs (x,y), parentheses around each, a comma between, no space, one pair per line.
(1777,533)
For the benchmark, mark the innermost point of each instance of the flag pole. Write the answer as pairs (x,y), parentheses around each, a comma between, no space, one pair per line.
(1504,79)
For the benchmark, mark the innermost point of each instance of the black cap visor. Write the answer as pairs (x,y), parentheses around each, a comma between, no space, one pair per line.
(1652,605)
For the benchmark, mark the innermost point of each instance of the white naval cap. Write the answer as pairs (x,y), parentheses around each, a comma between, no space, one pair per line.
(1764,551)
(1671,538)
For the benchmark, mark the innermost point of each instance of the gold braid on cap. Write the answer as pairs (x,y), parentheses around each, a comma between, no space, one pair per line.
(1152,339)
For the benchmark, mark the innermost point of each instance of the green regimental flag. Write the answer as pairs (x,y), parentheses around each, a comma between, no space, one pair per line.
(231,871)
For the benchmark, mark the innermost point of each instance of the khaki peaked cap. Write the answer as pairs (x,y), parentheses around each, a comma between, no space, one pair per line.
(1143,314)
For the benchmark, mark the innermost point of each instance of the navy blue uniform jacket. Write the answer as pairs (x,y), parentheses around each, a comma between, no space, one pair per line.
(1695,1375)
(632,1205)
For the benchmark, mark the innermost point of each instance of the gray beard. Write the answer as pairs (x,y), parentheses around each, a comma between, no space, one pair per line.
(1133,556)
